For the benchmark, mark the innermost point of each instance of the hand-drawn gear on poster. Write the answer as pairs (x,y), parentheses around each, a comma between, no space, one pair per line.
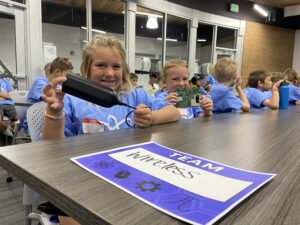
(104,164)
(148,186)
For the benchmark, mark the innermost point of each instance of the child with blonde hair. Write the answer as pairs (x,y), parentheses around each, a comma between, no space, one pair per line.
(292,76)
(222,93)
(175,75)
(104,63)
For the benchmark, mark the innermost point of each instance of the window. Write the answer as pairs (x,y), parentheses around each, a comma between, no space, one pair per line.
(108,17)
(8,42)
(226,38)
(148,41)
(62,32)
(204,46)
(176,39)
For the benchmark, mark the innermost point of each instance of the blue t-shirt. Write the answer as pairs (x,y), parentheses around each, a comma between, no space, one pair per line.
(256,97)
(158,92)
(36,90)
(224,99)
(6,87)
(294,93)
(84,117)
(210,79)
(186,113)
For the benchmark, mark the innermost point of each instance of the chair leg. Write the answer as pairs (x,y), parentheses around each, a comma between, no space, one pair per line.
(29,197)
(28,210)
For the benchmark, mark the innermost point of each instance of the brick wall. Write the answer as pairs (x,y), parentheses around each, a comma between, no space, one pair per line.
(266,47)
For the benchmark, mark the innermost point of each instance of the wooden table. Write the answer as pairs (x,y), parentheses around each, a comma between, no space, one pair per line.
(266,141)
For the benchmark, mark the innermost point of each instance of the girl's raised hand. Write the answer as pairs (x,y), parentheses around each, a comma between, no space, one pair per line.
(53,96)
(143,116)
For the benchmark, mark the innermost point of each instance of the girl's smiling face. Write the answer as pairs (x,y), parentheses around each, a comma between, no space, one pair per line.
(177,77)
(106,68)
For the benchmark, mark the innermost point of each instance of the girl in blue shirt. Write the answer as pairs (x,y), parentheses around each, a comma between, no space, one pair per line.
(104,63)
(176,75)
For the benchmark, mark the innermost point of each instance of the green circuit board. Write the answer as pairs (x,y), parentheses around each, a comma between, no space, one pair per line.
(188,97)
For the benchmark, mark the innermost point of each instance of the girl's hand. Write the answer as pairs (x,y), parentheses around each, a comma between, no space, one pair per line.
(53,96)
(143,116)
(172,98)
(207,105)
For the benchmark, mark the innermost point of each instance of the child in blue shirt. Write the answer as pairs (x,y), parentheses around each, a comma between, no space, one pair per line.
(261,92)
(59,67)
(176,75)
(198,81)
(7,108)
(222,93)
(104,63)
(294,92)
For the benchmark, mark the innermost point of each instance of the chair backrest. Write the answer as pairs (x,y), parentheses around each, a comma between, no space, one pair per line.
(20,97)
(35,119)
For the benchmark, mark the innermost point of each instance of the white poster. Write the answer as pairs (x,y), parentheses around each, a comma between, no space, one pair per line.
(49,52)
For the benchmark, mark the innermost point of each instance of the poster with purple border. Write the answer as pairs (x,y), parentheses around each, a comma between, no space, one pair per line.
(188,187)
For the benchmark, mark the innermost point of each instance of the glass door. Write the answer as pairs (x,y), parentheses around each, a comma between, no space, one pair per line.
(12,45)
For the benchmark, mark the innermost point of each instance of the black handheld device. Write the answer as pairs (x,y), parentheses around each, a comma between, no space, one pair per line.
(91,91)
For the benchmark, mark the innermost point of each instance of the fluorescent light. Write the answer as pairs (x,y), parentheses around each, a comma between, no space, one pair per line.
(259,9)
(168,39)
(95,30)
(201,40)
(146,14)
(152,22)
(149,14)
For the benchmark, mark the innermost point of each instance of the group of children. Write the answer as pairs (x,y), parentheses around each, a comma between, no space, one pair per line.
(226,92)
(104,63)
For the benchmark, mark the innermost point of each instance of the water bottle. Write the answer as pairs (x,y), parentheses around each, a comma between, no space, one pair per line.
(284,95)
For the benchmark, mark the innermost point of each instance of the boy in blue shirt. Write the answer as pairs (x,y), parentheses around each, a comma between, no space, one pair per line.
(59,67)
(7,108)
(198,81)
(222,93)
(261,92)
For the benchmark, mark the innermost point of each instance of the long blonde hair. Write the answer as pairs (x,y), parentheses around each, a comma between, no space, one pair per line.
(99,41)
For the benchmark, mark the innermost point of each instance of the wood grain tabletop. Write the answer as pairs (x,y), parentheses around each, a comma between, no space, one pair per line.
(264,141)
